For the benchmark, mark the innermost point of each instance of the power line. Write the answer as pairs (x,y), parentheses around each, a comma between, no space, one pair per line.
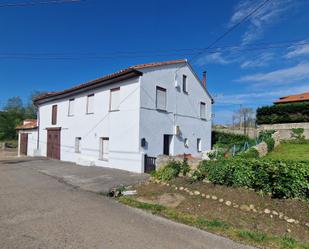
(32,3)
(235,26)
(72,56)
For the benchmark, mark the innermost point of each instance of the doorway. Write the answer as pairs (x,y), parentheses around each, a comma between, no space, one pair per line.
(167,140)
(53,143)
(23,143)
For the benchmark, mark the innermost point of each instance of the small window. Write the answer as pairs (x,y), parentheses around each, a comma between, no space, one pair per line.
(186,142)
(202,110)
(184,84)
(71,107)
(104,150)
(161,98)
(77,144)
(199,145)
(90,104)
(114,99)
(54,114)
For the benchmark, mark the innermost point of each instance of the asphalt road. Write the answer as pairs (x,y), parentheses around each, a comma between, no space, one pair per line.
(38,211)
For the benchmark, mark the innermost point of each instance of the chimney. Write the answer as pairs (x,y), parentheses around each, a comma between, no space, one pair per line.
(204,79)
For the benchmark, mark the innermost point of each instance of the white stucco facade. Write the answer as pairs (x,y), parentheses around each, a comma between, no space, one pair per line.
(137,118)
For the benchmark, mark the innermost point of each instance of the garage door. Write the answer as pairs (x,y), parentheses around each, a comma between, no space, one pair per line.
(53,143)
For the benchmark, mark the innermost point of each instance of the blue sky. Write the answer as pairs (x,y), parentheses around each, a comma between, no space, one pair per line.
(49,47)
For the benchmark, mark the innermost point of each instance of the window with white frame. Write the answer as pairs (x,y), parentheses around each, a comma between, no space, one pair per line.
(202,110)
(104,150)
(71,107)
(161,98)
(77,144)
(199,145)
(90,104)
(184,84)
(114,99)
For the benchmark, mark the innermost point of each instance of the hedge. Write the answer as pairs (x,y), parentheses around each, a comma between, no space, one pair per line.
(283,179)
(283,113)
(228,139)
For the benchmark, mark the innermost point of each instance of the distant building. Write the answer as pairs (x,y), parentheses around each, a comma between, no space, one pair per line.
(303,97)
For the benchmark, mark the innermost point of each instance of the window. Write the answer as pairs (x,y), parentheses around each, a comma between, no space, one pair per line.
(202,110)
(114,99)
(90,104)
(199,145)
(77,144)
(184,84)
(54,114)
(186,142)
(71,107)
(160,98)
(104,144)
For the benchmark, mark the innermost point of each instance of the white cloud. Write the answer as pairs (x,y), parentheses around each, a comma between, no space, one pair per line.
(278,77)
(264,17)
(299,49)
(214,58)
(262,60)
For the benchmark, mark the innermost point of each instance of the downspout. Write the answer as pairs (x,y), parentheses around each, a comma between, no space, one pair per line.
(38,128)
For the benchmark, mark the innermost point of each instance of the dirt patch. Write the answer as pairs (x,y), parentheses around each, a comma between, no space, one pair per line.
(240,218)
(171,200)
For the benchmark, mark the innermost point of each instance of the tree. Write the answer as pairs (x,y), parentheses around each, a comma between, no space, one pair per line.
(8,122)
(14,104)
(31,109)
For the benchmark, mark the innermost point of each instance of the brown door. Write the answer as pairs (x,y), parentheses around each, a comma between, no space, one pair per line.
(23,143)
(53,143)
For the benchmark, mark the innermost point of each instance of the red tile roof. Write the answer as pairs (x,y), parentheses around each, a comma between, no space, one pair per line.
(293,98)
(28,124)
(127,72)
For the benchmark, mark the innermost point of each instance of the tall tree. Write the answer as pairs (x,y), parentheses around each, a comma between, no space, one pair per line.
(14,104)
(30,108)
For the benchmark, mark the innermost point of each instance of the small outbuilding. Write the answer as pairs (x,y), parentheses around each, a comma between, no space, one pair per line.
(27,137)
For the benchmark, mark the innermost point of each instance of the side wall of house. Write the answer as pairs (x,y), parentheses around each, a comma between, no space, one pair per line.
(183,110)
(121,127)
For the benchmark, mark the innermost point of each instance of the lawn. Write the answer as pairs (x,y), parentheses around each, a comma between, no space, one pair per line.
(289,151)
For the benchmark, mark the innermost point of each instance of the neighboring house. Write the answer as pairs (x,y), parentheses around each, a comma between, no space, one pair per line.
(114,121)
(27,137)
(303,97)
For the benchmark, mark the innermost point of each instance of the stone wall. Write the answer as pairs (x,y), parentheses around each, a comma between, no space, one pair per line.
(163,160)
(262,149)
(285,129)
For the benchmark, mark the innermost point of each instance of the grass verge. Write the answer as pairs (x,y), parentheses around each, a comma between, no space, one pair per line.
(290,151)
(255,238)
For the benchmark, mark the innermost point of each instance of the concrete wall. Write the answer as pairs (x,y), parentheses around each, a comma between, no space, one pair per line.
(285,129)
(32,141)
(122,127)
(183,109)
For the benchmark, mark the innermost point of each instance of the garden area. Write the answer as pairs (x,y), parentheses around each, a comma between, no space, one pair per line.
(244,197)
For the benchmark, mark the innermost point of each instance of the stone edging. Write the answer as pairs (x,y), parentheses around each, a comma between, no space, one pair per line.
(243,207)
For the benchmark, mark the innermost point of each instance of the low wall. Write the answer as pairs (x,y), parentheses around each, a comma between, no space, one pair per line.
(163,160)
(285,129)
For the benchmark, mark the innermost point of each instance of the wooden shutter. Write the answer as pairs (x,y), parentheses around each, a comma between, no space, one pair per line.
(203,110)
(54,114)
(160,98)
(114,99)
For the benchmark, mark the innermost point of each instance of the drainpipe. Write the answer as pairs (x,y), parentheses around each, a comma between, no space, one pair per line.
(38,128)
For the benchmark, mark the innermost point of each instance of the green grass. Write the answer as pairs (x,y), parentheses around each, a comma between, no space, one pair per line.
(256,238)
(290,151)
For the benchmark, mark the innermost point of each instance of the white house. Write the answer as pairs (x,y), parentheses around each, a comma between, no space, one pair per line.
(114,121)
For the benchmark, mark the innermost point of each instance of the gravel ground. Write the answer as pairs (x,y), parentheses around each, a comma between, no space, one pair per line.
(38,211)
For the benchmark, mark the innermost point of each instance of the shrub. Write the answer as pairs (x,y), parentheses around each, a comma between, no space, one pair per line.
(251,153)
(298,134)
(283,113)
(223,139)
(184,167)
(168,172)
(281,178)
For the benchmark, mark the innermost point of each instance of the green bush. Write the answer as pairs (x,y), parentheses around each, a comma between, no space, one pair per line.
(266,136)
(172,170)
(281,178)
(222,139)
(250,153)
(298,135)
(283,113)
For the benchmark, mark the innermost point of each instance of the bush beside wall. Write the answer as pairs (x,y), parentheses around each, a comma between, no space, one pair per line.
(283,113)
